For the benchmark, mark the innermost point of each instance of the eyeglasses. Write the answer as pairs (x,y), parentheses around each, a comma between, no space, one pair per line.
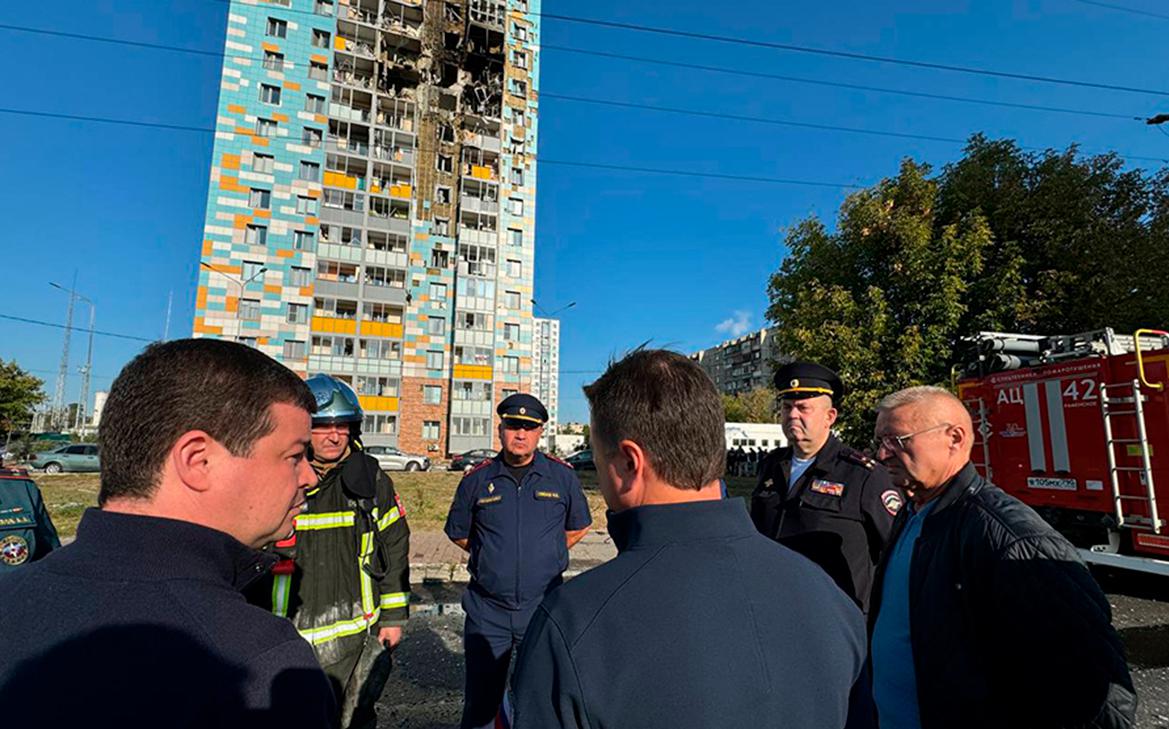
(896,443)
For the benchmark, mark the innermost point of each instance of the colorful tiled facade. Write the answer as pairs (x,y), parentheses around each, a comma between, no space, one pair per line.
(371,212)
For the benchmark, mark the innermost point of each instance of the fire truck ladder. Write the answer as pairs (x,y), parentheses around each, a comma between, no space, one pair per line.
(977,408)
(1137,411)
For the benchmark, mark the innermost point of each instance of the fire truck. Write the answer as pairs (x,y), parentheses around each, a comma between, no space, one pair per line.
(1077,427)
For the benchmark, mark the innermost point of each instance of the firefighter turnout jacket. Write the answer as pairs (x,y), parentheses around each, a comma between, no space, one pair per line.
(346,570)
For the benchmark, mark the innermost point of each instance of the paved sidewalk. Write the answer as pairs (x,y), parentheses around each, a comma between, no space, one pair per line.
(434,558)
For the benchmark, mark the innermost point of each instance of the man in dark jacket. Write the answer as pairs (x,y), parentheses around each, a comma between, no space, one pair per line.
(26,530)
(699,621)
(982,615)
(140,622)
(344,580)
(829,502)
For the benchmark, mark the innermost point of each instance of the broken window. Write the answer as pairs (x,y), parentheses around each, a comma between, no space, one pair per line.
(442,226)
(320,38)
(442,195)
(273,61)
(440,259)
(312,137)
(446,133)
(445,163)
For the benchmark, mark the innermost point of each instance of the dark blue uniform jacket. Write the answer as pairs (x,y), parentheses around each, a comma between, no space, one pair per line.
(516,531)
(700,621)
(140,623)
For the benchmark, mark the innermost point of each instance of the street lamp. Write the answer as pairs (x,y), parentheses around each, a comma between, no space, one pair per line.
(538,308)
(79,421)
(242,284)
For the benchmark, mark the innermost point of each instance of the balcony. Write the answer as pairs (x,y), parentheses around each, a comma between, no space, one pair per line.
(348,113)
(478,205)
(481,172)
(349,78)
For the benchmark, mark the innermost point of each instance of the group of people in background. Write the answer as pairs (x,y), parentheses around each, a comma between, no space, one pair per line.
(745,461)
(892,587)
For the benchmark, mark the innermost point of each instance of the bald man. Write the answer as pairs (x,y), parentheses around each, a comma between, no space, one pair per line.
(982,615)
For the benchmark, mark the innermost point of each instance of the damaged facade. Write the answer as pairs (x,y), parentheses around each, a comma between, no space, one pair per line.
(372,204)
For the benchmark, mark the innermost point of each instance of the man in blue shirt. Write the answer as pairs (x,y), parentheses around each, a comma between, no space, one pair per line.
(982,614)
(700,621)
(517,514)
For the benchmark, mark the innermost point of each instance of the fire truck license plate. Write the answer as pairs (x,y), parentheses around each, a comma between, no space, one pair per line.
(1057,484)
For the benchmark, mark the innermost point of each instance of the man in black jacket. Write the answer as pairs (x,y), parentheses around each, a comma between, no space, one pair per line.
(982,615)
(140,622)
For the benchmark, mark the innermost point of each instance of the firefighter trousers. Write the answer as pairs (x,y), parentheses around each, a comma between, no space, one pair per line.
(358,680)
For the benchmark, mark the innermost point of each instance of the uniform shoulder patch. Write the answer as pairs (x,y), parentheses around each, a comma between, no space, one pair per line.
(892,501)
(554,459)
(854,456)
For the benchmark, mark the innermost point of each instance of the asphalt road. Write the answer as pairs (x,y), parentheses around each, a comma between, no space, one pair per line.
(426,688)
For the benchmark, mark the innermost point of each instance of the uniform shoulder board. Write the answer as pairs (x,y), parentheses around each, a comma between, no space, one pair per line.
(854,456)
(480,467)
(554,459)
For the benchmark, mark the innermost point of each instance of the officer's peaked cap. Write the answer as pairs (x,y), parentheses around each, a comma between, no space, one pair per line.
(523,407)
(801,380)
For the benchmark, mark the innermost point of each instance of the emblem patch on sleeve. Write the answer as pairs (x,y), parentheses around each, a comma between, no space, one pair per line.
(14,549)
(827,487)
(892,501)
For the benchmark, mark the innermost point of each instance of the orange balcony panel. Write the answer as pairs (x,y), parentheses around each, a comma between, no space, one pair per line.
(400,191)
(270,47)
(331,325)
(318,58)
(282,118)
(292,86)
(236,109)
(322,119)
(263,213)
(472,372)
(230,162)
(375,402)
(336,179)
(285,253)
(338,43)
(313,193)
(306,290)
(311,220)
(261,340)
(381,329)
(375,189)
(481,173)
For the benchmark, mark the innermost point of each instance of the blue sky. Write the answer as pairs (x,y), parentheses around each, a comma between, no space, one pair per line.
(681,262)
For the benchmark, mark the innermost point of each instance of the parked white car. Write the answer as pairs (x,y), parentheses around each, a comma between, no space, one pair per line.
(392,459)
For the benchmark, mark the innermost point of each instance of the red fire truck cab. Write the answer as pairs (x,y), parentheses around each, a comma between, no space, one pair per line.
(1077,427)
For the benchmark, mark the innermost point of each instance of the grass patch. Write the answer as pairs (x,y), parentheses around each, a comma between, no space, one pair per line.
(425,495)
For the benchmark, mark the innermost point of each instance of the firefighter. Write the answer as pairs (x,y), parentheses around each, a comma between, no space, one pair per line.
(817,496)
(344,580)
(518,515)
(26,531)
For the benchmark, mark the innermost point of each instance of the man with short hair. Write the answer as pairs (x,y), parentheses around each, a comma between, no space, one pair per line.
(140,622)
(831,503)
(982,614)
(518,514)
(699,621)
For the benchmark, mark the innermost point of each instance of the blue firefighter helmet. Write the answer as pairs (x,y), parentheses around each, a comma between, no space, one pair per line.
(336,401)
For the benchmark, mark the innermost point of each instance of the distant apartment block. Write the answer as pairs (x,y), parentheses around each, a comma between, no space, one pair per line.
(742,364)
(371,210)
(546,373)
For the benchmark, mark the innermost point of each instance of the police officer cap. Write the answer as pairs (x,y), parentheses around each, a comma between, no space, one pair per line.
(522,407)
(800,380)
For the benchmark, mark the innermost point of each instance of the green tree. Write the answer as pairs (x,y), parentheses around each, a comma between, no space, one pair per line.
(881,299)
(1038,243)
(753,406)
(20,392)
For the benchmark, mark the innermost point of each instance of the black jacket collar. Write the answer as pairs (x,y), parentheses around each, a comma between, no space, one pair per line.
(660,524)
(137,547)
(964,484)
(499,466)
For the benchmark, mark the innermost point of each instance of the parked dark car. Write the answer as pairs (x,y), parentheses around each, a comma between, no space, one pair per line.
(582,460)
(466,461)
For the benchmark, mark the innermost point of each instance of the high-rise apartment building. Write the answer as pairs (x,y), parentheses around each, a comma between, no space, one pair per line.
(546,373)
(741,364)
(372,204)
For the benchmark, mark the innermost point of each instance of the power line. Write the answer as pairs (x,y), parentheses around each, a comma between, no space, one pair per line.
(837,84)
(80,329)
(789,123)
(540,160)
(605,54)
(853,56)
(793,48)
(1124,8)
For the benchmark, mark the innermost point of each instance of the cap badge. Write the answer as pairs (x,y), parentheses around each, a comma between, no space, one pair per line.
(523,411)
(491,488)
(795,383)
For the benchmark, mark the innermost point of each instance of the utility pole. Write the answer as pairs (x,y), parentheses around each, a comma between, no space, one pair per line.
(57,415)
